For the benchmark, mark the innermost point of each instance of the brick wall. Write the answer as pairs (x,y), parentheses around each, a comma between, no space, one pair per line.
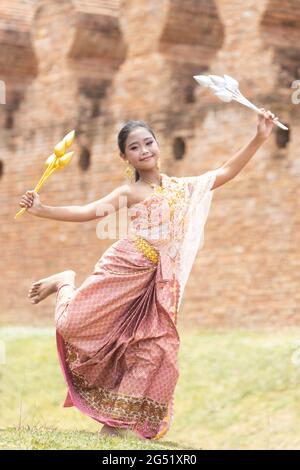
(91,65)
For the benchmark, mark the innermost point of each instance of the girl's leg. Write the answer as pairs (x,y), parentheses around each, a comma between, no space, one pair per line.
(64,294)
(44,287)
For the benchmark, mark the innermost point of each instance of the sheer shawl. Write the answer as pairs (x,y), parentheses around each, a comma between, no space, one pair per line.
(199,202)
(178,214)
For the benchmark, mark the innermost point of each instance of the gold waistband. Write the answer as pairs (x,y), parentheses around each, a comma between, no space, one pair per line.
(147,249)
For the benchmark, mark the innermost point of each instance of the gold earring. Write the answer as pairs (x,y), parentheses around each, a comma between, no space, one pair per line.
(130,172)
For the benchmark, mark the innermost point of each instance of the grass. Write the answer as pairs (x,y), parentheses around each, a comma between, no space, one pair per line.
(237,390)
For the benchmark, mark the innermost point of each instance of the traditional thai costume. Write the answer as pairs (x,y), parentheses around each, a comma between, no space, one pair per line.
(116,334)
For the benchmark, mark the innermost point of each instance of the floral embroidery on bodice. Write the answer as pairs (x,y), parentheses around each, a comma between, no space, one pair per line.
(160,217)
(172,220)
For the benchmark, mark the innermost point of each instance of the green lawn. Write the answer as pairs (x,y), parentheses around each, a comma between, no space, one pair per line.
(237,390)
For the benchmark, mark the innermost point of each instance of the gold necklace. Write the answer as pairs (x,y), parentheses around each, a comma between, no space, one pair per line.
(153,185)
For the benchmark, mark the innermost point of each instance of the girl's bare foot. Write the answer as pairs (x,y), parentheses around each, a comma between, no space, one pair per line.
(111,431)
(41,289)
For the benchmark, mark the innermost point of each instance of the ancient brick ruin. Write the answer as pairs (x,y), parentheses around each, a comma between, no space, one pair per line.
(93,64)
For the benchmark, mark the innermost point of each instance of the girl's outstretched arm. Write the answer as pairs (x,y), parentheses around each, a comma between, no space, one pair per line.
(97,209)
(113,202)
(233,166)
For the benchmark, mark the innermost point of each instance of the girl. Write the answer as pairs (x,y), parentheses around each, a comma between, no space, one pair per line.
(116,334)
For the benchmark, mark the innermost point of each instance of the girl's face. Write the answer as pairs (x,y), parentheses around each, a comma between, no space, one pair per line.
(141,149)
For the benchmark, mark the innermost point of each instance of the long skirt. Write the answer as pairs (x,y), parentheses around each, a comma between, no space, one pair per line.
(118,344)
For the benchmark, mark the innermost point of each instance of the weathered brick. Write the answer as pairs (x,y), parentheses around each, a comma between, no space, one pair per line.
(92,65)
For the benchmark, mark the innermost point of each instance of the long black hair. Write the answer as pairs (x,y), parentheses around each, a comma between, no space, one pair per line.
(125,131)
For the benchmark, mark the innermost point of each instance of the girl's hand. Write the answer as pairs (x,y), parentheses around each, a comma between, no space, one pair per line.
(31,201)
(265,124)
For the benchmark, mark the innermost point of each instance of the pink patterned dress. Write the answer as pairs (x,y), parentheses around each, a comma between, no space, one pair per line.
(116,334)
